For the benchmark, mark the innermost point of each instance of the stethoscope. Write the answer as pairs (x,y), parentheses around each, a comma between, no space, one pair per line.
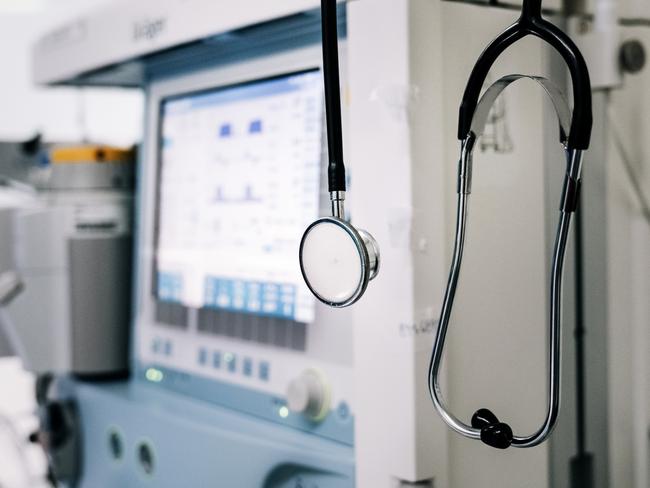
(338,261)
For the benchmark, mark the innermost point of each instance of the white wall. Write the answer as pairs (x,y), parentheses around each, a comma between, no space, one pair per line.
(62,114)
(629,280)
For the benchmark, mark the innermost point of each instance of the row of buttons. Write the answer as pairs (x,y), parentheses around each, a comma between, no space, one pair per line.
(228,361)
(170,287)
(159,346)
(272,299)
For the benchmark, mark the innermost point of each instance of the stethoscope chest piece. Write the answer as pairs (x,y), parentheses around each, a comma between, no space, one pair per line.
(337,261)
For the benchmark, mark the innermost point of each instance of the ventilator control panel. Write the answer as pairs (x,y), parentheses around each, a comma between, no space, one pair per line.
(234,173)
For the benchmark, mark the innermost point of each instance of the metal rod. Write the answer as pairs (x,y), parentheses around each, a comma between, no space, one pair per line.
(579,333)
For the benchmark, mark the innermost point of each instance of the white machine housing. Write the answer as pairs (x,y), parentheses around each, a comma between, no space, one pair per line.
(12,197)
(72,254)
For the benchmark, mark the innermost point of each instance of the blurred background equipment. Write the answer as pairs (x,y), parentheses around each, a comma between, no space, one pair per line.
(73,258)
(64,294)
(17,159)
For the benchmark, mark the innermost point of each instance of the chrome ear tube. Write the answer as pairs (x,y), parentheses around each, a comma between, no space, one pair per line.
(336,259)
(575,131)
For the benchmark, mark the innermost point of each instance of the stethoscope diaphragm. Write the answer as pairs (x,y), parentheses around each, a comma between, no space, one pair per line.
(337,261)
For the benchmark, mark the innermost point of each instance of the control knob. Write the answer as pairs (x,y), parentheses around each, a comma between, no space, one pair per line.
(310,395)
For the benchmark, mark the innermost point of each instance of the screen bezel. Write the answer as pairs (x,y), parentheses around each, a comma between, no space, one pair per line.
(159,150)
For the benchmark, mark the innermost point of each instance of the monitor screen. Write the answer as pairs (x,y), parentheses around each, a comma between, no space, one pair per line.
(239,183)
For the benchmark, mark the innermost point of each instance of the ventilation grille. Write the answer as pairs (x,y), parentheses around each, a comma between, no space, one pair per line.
(172,314)
(272,331)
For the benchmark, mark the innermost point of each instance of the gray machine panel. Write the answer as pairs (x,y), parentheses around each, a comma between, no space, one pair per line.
(6,263)
(100,269)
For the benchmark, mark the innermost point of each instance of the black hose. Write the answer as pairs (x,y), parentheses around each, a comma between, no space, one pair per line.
(582,464)
(579,336)
(336,167)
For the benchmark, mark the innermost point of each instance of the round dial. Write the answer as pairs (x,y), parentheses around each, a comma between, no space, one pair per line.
(309,394)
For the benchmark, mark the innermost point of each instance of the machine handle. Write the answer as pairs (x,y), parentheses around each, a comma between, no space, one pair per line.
(531,23)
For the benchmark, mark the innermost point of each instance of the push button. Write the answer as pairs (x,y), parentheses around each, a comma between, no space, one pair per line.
(264,371)
(247,367)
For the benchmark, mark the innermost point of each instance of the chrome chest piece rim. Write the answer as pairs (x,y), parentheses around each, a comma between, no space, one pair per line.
(319,258)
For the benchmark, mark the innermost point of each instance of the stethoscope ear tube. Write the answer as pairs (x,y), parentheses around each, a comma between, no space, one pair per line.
(485,426)
(532,23)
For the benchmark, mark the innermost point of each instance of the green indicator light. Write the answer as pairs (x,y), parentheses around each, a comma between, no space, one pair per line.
(283,412)
(154,375)
(228,357)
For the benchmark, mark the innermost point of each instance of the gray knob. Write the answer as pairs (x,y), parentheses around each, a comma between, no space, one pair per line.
(309,394)
(632,56)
